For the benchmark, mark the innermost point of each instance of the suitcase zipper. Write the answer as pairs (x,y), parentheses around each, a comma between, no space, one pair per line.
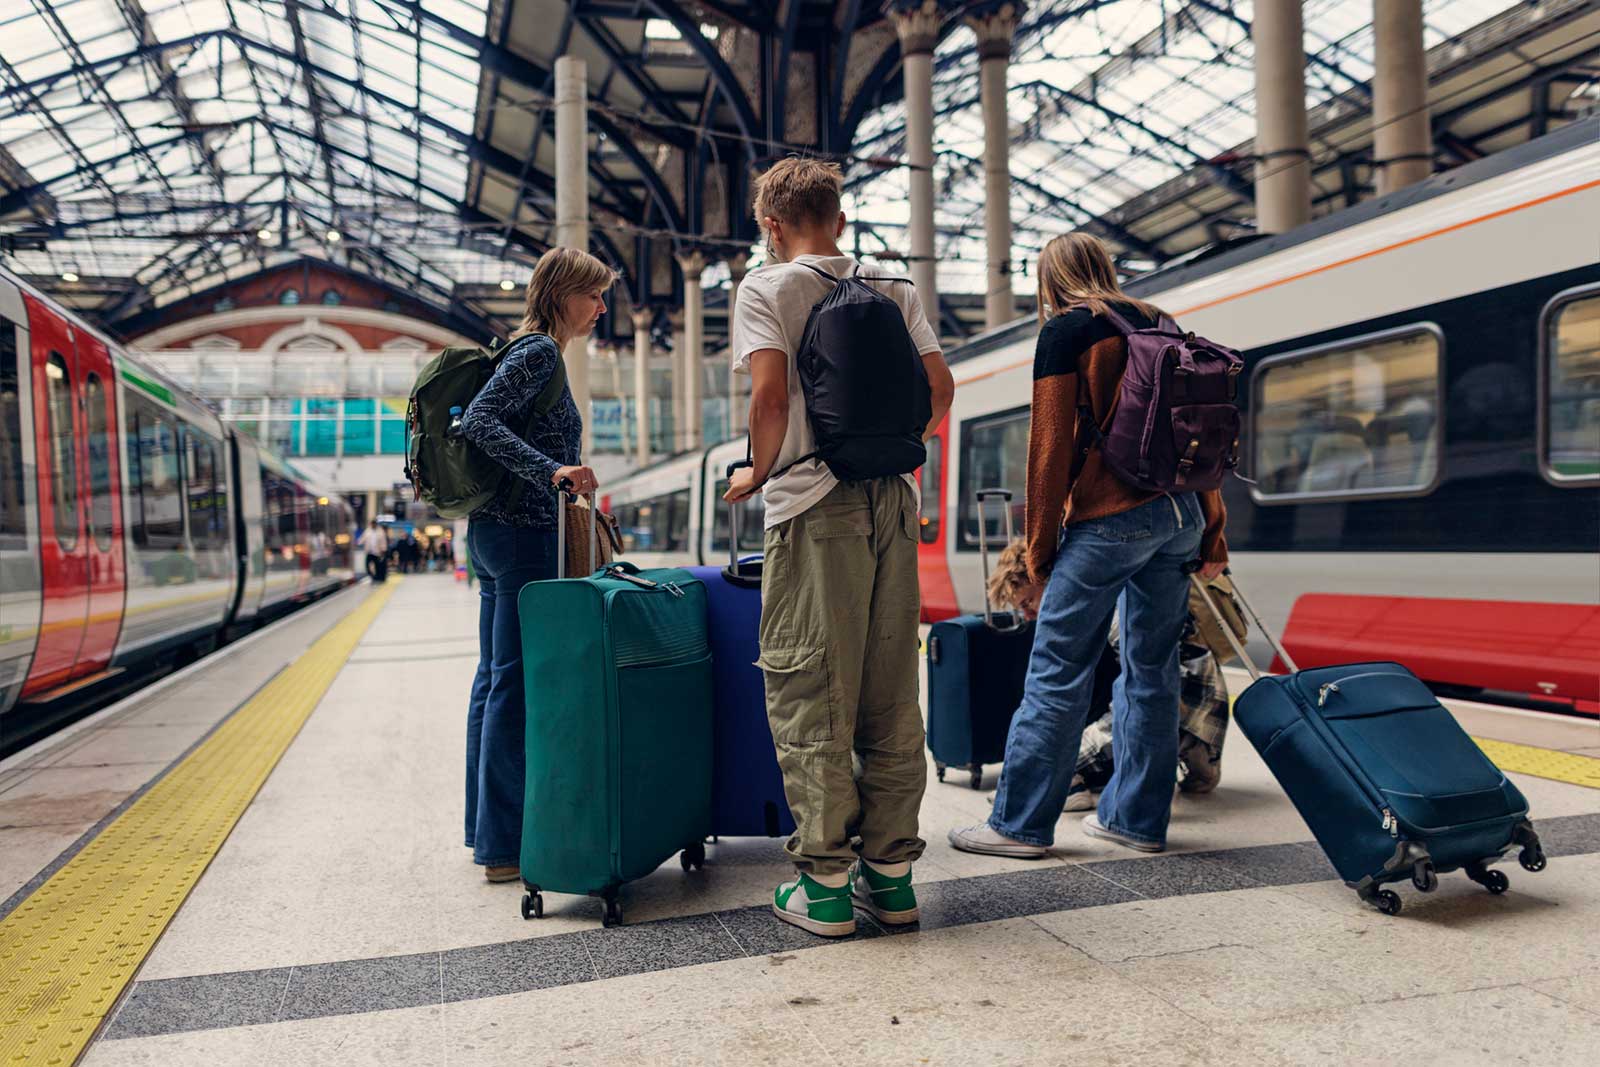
(1322,702)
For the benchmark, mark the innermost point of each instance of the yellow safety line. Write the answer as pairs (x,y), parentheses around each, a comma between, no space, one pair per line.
(69,950)
(1549,763)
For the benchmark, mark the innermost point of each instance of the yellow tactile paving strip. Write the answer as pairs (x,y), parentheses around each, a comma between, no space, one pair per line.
(1549,763)
(67,952)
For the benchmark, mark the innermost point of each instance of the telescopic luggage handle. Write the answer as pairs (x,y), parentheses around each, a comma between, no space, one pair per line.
(1238,646)
(1004,495)
(734,573)
(563,491)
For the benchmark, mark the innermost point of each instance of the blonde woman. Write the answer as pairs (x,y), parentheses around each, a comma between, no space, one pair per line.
(1094,541)
(512,538)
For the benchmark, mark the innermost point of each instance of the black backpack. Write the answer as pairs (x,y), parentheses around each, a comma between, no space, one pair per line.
(867,392)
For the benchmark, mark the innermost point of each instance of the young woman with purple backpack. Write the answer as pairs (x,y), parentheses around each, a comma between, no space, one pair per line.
(1133,430)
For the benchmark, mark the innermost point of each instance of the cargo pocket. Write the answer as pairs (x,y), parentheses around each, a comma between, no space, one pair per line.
(799,693)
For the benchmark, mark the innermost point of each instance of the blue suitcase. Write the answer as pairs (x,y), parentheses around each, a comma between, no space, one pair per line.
(976,667)
(746,786)
(1389,783)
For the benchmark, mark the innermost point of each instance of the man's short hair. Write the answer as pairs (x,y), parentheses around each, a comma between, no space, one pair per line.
(800,192)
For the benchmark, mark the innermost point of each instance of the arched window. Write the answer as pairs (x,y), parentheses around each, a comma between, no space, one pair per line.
(331,297)
(289,296)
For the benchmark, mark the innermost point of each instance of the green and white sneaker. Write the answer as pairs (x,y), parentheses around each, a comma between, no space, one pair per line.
(888,898)
(810,905)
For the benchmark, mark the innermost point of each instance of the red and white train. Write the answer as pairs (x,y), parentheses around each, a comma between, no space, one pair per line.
(134,525)
(1422,431)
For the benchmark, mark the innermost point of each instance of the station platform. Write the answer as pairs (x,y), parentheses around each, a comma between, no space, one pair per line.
(259,861)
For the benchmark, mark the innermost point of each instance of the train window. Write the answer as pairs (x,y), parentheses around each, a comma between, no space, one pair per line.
(205,517)
(159,517)
(752,514)
(1571,371)
(678,521)
(930,477)
(13,502)
(94,401)
(994,454)
(1354,418)
(63,450)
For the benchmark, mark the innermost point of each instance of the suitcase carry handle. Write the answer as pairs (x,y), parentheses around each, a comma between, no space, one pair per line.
(733,572)
(563,494)
(1238,646)
(982,496)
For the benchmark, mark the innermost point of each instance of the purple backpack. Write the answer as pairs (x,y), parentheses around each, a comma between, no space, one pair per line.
(1175,428)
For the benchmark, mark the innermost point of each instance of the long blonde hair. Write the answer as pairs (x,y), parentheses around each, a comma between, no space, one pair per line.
(1075,270)
(560,273)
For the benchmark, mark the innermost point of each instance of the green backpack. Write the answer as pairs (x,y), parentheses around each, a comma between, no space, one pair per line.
(451,473)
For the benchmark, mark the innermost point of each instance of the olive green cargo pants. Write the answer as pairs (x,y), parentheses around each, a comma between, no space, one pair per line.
(840,608)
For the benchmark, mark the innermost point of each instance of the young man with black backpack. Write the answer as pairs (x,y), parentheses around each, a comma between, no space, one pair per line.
(847,381)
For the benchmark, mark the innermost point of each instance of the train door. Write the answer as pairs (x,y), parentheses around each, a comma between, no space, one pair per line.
(103,507)
(63,541)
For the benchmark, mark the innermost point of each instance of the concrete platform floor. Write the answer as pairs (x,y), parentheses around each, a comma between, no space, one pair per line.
(344,923)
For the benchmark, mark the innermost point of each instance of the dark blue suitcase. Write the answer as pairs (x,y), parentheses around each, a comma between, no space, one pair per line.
(746,786)
(976,667)
(1389,783)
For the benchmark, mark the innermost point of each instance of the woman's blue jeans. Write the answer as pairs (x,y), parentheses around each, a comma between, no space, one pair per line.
(506,558)
(1136,557)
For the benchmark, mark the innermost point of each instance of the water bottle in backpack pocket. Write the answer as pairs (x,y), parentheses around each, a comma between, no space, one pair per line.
(1175,426)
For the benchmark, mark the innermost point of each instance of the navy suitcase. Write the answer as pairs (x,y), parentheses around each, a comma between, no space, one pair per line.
(976,666)
(1384,776)
(746,786)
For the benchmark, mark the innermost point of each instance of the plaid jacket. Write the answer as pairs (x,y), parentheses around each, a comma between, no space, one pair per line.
(1202,708)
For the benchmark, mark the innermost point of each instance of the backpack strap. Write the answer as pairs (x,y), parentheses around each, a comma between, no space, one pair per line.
(1123,326)
(543,404)
(819,270)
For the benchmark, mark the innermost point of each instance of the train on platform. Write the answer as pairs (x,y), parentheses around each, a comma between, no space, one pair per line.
(136,528)
(1420,458)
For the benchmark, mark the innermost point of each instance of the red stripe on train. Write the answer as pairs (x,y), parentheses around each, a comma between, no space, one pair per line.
(1550,651)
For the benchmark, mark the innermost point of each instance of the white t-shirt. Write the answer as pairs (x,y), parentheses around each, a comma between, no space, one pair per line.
(771,310)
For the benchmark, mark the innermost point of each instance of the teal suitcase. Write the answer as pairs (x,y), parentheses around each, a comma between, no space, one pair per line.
(618,740)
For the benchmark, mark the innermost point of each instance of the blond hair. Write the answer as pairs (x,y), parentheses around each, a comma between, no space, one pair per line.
(560,273)
(799,192)
(1075,270)
(1010,574)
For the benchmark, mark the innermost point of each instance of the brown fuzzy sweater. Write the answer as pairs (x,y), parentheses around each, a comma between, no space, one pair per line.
(1072,345)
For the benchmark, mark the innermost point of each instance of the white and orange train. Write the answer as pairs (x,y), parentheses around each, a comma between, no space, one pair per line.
(134,525)
(1422,431)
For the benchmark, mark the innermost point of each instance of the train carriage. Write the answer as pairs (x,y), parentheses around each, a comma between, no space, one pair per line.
(135,526)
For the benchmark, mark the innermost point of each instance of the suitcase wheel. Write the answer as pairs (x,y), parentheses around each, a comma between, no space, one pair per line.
(694,856)
(1424,877)
(1388,902)
(939,769)
(977,776)
(533,905)
(1494,881)
(1531,858)
(613,912)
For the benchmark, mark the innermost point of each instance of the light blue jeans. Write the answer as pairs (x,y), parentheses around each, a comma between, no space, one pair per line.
(1135,558)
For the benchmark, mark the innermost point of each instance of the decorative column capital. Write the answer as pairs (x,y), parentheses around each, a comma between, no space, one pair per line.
(692,263)
(643,318)
(738,266)
(995,23)
(917,22)
(675,319)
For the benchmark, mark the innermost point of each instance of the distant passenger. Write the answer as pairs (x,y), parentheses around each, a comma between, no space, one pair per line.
(376,543)
(1094,543)
(512,538)
(840,601)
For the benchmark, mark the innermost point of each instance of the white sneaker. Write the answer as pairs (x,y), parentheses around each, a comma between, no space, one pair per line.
(987,841)
(1094,828)
(1078,796)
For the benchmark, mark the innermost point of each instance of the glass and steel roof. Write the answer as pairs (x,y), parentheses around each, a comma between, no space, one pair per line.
(180,142)
(1108,100)
(152,148)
